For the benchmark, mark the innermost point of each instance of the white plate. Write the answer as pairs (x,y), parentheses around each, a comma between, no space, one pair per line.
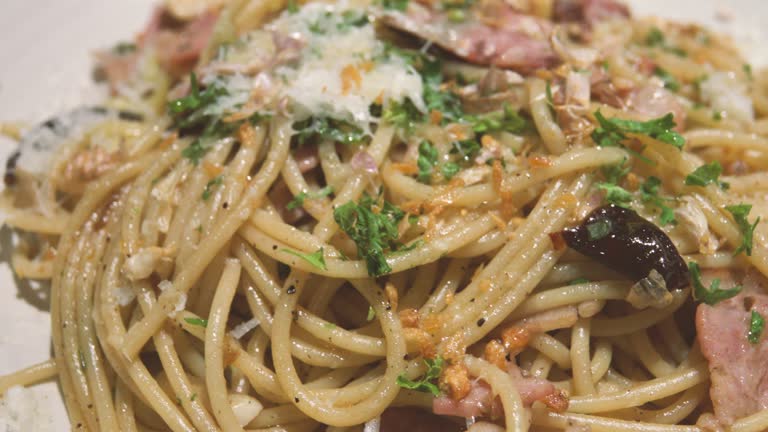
(45,48)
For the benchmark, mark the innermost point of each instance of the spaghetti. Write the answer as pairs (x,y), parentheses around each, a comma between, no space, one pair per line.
(370,216)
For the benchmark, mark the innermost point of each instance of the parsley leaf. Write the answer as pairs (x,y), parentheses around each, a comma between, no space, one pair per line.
(506,120)
(615,194)
(466,149)
(713,294)
(655,38)
(372,225)
(200,322)
(317,258)
(327,129)
(298,200)
(427,382)
(292,7)
(747,68)
(399,5)
(124,48)
(449,169)
(706,174)
(427,161)
(216,181)
(756,326)
(669,80)
(649,193)
(612,131)
(614,173)
(371,314)
(579,281)
(740,213)
(403,115)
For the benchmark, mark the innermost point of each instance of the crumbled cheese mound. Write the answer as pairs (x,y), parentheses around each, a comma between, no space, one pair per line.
(341,72)
(726,94)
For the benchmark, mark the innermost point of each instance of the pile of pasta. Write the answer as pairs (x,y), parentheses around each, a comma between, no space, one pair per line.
(264,269)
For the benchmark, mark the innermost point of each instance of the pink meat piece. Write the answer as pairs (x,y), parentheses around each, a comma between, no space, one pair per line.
(179,46)
(496,35)
(651,101)
(481,403)
(589,12)
(738,369)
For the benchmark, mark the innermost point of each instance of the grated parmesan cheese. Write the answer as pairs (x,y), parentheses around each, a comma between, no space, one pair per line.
(317,86)
(243,328)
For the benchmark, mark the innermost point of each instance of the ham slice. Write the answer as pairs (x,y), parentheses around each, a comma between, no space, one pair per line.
(738,369)
(480,401)
(493,34)
(177,45)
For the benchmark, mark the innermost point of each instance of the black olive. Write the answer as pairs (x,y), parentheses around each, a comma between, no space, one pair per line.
(623,241)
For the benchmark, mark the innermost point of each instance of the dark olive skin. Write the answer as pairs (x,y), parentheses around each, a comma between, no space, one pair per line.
(623,241)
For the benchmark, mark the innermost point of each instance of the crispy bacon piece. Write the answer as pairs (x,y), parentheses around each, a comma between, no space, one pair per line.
(493,34)
(738,369)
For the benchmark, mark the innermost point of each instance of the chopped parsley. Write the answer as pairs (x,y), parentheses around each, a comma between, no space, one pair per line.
(740,213)
(449,169)
(466,149)
(579,281)
(427,382)
(506,120)
(327,129)
(124,48)
(292,7)
(372,225)
(611,132)
(669,80)
(615,194)
(216,181)
(316,258)
(400,5)
(403,115)
(747,68)
(705,175)
(713,294)
(200,322)
(371,314)
(656,39)
(614,173)
(298,200)
(756,327)
(426,162)
(649,193)
(191,114)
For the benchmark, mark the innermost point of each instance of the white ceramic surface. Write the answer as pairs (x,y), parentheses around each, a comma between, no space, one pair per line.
(45,48)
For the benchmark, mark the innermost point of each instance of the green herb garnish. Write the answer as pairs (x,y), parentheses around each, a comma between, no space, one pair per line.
(200,322)
(713,294)
(316,258)
(216,181)
(669,80)
(371,314)
(427,382)
(449,169)
(707,174)
(615,194)
(613,131)
(756,326)
(372,225)
(649,193)
(327,129)
(426,162)
(298,200)
(740,213)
